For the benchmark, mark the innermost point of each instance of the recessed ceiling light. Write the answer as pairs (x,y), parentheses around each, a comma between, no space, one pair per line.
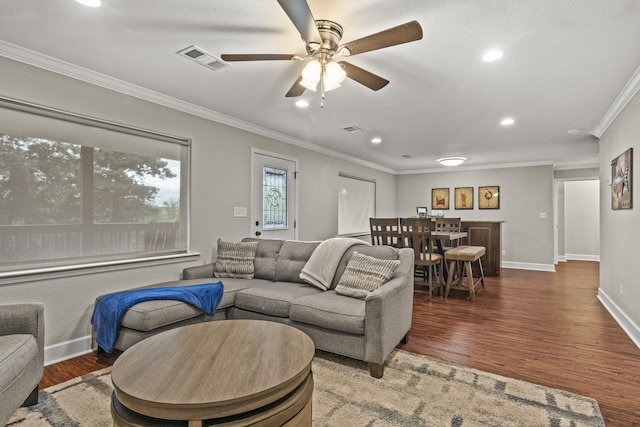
(508,121)
(302,103)
(575,131)
(90,3)
(452,161)
(376,140)
(492,55)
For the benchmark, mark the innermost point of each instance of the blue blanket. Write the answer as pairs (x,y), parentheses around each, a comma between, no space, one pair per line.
(110,309)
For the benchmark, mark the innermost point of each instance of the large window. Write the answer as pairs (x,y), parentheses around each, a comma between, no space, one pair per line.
(75,190)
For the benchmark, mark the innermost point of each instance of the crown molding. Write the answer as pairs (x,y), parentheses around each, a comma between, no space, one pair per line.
(478,167)
(36,59)
(626,95)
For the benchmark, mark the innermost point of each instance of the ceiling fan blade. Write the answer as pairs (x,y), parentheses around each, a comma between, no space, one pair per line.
(256,57)
(296,90)
(301,16)
(404,33)
(364,77)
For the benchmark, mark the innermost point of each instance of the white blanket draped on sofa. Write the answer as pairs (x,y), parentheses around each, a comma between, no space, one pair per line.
(323,262)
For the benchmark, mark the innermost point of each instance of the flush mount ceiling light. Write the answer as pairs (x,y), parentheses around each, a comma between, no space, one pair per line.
(492,55)
(90,3)
(452,161)
(508,121)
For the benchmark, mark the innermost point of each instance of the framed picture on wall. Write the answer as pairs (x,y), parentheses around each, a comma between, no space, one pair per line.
(439,198)
(463,197)
(489,197)
(621,181)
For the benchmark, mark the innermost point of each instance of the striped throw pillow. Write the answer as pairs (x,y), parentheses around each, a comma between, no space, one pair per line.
(235,259)
(365,274)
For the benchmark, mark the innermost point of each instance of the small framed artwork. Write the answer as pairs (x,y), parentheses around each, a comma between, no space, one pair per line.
(489,197)
(463,197)
(621,179)
(439,198)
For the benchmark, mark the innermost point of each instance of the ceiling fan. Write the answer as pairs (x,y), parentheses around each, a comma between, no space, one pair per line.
(322,40)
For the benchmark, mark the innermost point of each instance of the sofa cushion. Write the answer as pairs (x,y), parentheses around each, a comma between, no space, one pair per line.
(149,315)
(330,311)
(380,252)
(292,258)
(235,259)
(365,274)
(17,352)
(264,264)
(273,299)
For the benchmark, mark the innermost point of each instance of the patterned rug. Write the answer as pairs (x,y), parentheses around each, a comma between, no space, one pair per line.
(415,391)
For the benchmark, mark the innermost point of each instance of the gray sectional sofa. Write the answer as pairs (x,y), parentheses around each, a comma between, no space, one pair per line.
(364,329)
(21,356)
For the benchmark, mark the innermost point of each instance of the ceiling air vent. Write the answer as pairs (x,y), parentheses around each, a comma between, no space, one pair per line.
(352,129)
(203,57)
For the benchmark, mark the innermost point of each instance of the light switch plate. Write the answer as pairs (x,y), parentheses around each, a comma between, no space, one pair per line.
(239,211)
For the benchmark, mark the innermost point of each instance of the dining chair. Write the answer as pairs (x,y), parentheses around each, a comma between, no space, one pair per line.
(416,234)
(449,225)
(384,231)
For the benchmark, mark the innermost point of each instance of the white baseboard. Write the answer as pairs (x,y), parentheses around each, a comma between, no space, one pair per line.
(528,266)
(562,258)
(67,350)
(625,322)
(580,257)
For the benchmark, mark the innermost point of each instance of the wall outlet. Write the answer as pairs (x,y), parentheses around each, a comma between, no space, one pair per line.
(239,211)
(504,253)
(620,288)
(543,215)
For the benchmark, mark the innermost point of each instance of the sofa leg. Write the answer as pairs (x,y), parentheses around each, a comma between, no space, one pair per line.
(376,369)
(405,339)
(32,399)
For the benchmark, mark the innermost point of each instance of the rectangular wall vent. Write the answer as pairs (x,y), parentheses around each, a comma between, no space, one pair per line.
(203,57)
(352,129)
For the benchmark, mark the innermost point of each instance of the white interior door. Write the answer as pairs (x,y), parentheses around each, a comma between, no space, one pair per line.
(274,190)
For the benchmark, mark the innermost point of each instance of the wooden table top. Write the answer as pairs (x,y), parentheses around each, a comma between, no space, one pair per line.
(449,235)
(212,369)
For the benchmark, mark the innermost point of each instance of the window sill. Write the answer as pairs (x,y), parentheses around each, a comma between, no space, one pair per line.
(30,275)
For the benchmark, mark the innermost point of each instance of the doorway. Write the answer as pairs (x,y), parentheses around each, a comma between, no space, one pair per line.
(274,196)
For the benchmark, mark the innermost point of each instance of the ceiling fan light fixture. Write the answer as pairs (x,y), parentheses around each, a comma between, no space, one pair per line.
(452,161)
(333,76)
(311,75)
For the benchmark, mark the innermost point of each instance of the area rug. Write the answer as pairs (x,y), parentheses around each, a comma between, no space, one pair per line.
(414,391)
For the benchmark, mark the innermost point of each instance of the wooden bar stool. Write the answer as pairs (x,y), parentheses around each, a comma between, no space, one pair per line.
(466,255)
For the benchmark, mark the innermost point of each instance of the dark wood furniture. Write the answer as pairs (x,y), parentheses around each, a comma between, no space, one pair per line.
(416,234)
(384,231)
(236,372)
(489,235)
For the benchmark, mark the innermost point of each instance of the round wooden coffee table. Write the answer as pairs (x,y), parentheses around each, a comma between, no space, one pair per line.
(229,372)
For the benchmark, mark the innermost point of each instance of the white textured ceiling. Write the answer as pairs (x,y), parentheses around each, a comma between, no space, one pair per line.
(566,62)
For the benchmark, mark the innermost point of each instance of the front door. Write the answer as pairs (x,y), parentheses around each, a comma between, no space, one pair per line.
(274,213)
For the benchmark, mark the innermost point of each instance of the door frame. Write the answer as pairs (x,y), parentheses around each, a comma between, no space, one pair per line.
(254,151)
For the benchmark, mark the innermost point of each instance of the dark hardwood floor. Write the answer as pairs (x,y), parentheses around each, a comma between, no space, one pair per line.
(545,328)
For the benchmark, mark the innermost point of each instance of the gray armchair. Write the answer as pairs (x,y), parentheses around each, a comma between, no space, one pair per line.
(21,356)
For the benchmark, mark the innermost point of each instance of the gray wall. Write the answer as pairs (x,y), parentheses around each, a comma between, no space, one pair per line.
(620,230)
(524,193)
(220,180)
(582,220)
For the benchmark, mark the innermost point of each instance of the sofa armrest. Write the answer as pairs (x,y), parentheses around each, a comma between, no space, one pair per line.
(388,313)
(198,272)
(24,318)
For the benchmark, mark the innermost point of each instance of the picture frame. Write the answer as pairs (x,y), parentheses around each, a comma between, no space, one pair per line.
(622,180)
(422,211)
(489,197)
(439,199)
(463,197)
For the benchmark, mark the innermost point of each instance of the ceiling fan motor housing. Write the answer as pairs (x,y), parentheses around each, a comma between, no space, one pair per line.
(331,33)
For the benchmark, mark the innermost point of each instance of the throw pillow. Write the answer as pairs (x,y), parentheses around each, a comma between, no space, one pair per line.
(365,274)
(235,259)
